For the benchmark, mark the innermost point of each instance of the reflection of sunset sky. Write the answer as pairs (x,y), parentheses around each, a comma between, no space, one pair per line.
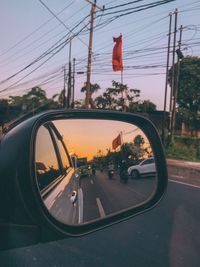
(45,150)
(86,137)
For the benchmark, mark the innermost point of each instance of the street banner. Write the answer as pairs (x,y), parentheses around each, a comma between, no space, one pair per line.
(117,54)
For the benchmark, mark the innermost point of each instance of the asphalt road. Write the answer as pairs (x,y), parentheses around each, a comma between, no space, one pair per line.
(166,236)
(103,196)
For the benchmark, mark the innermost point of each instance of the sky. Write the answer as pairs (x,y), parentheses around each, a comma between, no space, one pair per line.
(28,30)
(86,138)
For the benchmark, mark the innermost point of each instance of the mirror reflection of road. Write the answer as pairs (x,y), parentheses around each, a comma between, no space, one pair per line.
(103,196)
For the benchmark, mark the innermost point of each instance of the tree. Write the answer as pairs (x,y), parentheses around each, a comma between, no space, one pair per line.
(188,98)
(93,89)
(35,98)
(114,97)
(62,99)
(144,106)
(79,104)
(3,111)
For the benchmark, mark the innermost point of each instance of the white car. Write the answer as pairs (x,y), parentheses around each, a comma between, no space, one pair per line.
(146,167)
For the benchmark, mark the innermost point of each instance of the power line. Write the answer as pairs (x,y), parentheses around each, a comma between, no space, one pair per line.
(138,8)
(126,4)
(58,47)
(33,32)
(39,38)
(60,20)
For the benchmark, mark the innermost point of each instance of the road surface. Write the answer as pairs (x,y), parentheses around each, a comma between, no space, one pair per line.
(166,236)
(103,196)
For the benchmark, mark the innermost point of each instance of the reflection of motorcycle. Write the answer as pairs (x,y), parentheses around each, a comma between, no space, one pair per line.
(124,176)
(110,174)
(89,170)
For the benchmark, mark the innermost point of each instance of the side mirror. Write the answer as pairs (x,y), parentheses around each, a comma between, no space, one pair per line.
(89,169)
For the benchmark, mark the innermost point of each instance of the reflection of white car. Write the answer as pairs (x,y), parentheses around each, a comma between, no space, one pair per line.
(146,167)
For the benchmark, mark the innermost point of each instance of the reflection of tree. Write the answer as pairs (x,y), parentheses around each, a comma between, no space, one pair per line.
(45,176)
(138,150)
(133,153)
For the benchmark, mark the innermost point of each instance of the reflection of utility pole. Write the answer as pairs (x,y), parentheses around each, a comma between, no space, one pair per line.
(88,81)
(166,81)
(172,94)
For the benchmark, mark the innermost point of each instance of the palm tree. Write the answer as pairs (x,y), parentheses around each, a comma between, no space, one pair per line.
(93,89)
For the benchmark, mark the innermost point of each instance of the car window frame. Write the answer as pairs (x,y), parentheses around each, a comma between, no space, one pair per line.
(54,134)
(58,156)
(46,126)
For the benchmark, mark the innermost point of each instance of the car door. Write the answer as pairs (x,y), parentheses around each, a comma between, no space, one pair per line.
(60,194)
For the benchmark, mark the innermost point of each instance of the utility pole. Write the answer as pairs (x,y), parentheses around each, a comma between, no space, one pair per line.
(166,81)
(69,85)
(73,82)
(89,64)
(172,93)
(176,82)
(64,89)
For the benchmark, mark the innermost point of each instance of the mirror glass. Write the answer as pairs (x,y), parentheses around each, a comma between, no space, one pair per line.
(87,169)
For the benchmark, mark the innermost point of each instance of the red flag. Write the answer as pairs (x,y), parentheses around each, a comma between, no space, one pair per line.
(117,54)
(116,142)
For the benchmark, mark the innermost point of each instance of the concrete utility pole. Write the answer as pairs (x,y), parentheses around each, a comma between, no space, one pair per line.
(73,82)
(176,82)
(172,93)
(89,64)
(166,81)
(69,84)
(64,89)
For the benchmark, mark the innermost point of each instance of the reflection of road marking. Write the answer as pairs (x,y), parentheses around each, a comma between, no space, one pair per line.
(91,181)
(74,215)
(136,192)
(100,207)
(80,205)
(178,182)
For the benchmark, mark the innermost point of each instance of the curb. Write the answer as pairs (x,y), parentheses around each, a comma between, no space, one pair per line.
(184,171)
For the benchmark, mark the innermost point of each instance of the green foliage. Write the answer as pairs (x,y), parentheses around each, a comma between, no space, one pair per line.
(31,101)
(133,153)
(3,111)
(93,88)
(189,91)
(143,106)
(113,97)
(61,98)
(184,148)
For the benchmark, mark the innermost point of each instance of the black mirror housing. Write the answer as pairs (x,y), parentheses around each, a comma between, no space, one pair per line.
(24,220)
